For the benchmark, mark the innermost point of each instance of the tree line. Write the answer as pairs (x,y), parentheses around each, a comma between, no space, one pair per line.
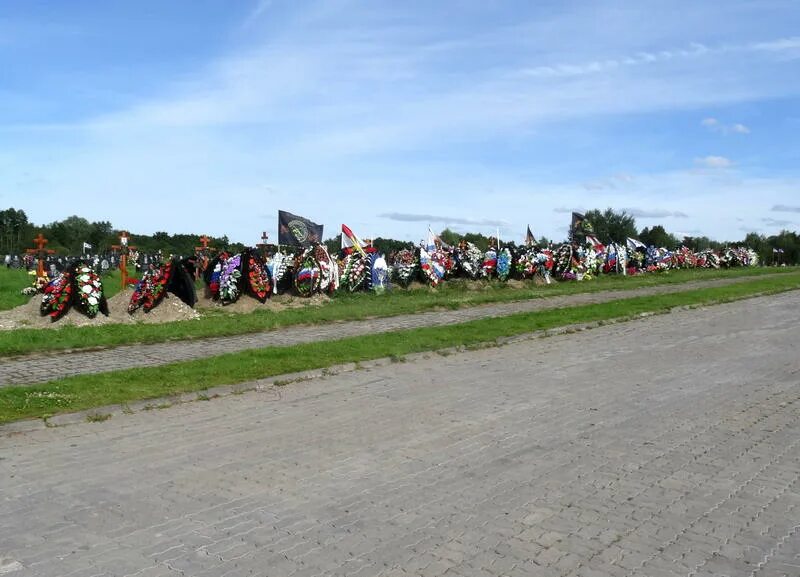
(67,236)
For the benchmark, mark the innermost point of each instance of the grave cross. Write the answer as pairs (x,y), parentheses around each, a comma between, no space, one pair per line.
(263,244)
(201,252)
(40,252)
(124,248)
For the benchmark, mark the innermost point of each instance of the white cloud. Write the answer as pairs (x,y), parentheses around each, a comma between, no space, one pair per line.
(715,125)
(715,162)
(655,213)
(405,217)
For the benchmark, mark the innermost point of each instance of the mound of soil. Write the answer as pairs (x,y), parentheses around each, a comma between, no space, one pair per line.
(28,316)
(247,304)
(169,310)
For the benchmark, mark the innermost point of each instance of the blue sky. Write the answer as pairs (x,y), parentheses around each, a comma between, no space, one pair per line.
(208,116)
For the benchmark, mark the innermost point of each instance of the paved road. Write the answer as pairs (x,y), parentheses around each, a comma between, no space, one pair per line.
(665,446)
(38,368)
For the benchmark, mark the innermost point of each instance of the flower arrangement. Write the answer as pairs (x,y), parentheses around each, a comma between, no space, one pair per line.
(258,281)
(57,296)
(279,266)
(544,264)
(356,269)
(308,275)
(564,263)
(404,266)
(90,297)
(432,271)
(489,265)
(443,258)
(157,286)
(37,284)
(614,260)
(525,266)
(151,289)
(329,272)
(379,273)
(229,291)
(503,264)
(469,259)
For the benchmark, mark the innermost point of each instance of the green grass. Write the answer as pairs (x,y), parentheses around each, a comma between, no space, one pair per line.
(344,306)
(119,387)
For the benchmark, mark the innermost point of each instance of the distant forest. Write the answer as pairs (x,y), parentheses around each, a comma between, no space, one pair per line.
(67,236)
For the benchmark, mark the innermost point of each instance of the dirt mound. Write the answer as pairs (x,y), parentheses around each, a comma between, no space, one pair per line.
(169,310)
(28,316)
(247,304)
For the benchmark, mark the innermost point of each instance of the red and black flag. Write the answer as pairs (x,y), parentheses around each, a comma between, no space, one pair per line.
(295,230)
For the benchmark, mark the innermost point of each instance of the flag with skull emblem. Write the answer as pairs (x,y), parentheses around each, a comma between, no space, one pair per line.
(295,230)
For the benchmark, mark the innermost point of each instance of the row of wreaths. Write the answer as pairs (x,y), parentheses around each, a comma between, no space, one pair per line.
(228,277)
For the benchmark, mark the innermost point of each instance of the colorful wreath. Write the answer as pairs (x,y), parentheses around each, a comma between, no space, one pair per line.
(229,280)
(404,267)
(504,261)
(308,275)
(356,269)
(57,296)
(91,299)
(469,259)
(259,284)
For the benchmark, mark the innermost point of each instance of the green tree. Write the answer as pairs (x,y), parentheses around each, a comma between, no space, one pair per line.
(611,226)
(450,237)
(659,237)
(389,245)
(16,233)
(70,234)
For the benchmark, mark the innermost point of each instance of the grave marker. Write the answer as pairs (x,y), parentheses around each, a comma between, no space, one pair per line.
(40,252)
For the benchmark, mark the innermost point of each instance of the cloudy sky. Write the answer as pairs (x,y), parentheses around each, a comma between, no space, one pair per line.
(208,116)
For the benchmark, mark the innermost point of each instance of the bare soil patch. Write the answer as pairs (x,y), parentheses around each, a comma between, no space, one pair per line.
(27,315)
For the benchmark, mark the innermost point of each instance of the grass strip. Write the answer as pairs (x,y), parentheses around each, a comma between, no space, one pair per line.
(97,390)
(454,295)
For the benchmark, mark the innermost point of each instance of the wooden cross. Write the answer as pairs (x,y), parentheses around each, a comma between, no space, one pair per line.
(263,244)
(40,252)
(124,248)
(201,252)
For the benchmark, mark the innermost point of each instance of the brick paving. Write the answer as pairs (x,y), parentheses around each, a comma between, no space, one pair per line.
(39,368)
(660,447)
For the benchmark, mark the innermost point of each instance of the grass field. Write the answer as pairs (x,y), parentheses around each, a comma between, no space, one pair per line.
(97,390)
(344,306)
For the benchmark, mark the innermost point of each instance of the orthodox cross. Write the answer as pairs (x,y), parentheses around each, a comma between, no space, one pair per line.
(262,246)
(201,252)
(40,252)
(124,248)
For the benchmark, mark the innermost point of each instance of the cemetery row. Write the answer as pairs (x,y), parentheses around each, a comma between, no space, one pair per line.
(359,267)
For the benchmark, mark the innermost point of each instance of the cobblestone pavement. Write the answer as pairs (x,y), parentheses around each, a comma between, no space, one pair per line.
(38,368)
(664,446)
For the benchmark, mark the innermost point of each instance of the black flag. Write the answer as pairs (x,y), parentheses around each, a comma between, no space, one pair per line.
(297,231)
(580,227)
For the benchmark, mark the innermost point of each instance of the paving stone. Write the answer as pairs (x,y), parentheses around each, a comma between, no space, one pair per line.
(478,463)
